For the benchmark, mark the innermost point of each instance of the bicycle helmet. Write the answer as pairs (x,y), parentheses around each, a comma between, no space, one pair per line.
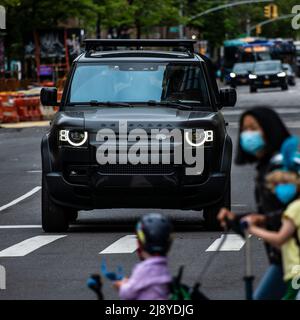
(154,233)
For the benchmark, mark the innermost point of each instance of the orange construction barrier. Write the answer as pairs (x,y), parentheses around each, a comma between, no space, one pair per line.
(22,109)
(10,111)
(37,114)
(33,107)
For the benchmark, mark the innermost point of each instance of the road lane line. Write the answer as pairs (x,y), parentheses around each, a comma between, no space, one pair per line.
(34,171)
(289,124)
(278,110)
(27,246)
(26,195)
(22,226)
(127,244)
(233,242)
(239,205)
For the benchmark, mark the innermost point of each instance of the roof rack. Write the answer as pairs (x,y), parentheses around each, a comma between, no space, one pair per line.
(94,44)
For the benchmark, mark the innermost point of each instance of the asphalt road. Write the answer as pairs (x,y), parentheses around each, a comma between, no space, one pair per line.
(44,266)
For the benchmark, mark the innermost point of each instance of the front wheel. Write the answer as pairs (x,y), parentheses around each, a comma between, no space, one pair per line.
(253,90)
(284,87)
(210,213)
(54,217)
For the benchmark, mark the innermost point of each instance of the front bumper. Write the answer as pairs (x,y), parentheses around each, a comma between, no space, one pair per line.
(272,83)
(170,194)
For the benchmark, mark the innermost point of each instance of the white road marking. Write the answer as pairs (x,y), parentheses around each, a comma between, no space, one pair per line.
(22,226)
(34,171)
(27,246)
(278,110)
(127,244)
(26,195)
(239,205)
(233,242)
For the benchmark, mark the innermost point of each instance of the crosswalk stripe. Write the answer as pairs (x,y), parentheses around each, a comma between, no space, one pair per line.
(23,197)
(127,244)
(233,242)
(27,246)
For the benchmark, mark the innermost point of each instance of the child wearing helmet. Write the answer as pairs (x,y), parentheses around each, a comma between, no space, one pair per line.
(150,279)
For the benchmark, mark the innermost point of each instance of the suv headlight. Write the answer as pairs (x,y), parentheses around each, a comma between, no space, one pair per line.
(197,138)
(252,76)
(75,138)
(281,74)
(232,75)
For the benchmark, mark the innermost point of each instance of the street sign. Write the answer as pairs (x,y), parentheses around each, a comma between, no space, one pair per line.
(174,29)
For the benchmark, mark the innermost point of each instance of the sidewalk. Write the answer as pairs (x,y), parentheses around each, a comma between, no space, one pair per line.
(28,124)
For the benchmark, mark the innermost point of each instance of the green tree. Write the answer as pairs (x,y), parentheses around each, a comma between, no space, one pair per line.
(142,15)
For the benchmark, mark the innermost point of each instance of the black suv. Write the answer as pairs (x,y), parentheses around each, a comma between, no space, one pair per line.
(130,125)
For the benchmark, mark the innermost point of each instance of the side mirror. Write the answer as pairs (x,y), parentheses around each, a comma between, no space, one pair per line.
(48,97)
(228,97)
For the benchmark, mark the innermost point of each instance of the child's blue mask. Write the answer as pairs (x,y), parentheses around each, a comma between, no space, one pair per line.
(252,142)
(286,192)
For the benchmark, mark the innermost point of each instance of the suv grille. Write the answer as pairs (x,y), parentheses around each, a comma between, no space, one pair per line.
(139,169)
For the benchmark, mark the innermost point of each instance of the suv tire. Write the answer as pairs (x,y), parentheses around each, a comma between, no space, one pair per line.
(54,217)
(253,90)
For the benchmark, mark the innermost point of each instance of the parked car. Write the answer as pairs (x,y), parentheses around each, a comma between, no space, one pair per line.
(121,90)
(291,75)
(240,74)
(268,74)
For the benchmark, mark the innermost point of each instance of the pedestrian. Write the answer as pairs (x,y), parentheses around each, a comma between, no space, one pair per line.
(261,136)
(150,278)
(286,186)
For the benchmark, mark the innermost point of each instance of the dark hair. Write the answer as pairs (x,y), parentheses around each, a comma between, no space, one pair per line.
(274,129)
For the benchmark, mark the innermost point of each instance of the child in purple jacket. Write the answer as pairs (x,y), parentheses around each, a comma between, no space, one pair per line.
(150,279)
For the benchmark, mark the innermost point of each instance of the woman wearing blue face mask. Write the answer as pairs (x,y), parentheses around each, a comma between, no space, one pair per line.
(261,136)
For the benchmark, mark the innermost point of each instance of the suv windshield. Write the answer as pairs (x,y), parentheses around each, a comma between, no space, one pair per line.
(267,67)
(136,82)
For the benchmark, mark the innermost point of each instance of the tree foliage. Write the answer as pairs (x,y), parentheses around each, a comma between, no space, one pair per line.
(24,16)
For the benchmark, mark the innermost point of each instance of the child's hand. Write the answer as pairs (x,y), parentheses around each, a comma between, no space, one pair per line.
(225,214)
(257,219)
(118,284)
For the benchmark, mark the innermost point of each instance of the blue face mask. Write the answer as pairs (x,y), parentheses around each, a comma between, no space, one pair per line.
(252,142)
(286,192)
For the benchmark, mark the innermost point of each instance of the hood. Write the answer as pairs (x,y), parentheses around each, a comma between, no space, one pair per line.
(94,119)
(267,73)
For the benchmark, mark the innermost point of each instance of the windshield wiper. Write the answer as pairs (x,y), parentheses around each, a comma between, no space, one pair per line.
(171,104)
(102,103)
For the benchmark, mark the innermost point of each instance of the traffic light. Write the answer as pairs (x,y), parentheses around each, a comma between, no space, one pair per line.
(274,11)
(267,11)
(258,29)
(271,11)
